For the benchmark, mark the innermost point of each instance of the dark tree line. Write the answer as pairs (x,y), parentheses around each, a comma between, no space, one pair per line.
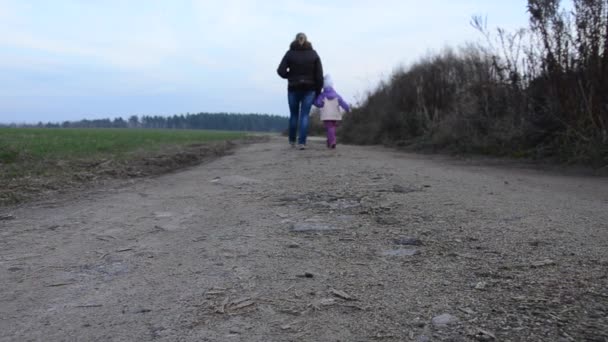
(212,121)
(537,92)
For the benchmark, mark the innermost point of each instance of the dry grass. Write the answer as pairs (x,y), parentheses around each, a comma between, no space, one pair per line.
(537,93)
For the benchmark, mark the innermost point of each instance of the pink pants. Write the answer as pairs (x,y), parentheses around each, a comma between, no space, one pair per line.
(331,125)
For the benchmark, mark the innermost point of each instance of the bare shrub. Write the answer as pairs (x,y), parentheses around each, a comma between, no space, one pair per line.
(540,92)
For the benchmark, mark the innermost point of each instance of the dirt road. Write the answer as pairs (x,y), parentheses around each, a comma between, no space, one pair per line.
(274,244)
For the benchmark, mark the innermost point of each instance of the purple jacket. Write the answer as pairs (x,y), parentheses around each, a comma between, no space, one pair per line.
(330,94)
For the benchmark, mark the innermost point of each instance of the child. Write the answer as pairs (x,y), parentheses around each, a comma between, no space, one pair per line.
(329,101)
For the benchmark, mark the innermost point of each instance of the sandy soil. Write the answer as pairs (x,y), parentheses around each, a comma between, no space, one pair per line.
(274,244)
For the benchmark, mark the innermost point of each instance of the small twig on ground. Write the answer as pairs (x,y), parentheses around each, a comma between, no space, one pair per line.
(59,284)
(89,306)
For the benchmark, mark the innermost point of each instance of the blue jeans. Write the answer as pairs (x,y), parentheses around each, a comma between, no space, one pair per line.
(300,102)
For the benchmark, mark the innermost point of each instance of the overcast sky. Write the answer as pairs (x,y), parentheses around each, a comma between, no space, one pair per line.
(73,59)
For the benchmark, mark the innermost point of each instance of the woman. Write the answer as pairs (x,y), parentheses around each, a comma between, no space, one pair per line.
(301,66)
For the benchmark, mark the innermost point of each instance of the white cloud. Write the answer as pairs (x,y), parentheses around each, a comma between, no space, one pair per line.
(5,11)
(97,33)
(128,52)
(152,46)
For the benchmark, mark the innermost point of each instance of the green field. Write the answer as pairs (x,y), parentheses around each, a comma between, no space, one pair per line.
(17,144)
(34,161)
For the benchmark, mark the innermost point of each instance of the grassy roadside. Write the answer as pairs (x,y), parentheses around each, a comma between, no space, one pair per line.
(38,161)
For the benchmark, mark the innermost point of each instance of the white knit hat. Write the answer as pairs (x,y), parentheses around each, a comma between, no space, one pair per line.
(328,82)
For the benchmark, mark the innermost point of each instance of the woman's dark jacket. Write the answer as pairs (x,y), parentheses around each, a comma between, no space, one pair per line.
(302,67)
